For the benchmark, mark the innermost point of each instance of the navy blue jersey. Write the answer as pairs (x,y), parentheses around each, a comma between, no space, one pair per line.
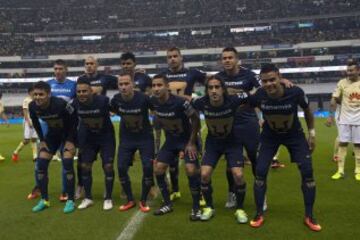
(134,114)
(101,80)
(59,116)
(173,116)
(142,81)
(245,81)
(219,120)
(281,114)
(94,116)
(183,81)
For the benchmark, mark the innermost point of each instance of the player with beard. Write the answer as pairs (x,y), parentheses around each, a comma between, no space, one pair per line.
(181,83)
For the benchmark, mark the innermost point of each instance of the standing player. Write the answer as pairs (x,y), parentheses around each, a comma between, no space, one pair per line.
(347,94)
(136,133)
(61,122)
(181,124)
(29,131)
(237,80)
(141,80)
(100,83)
(219,110)
(3,116)
(60,85)
(181,83)
(95,135)
(29,135)
(282,127)
(64,88)
(181,79)
(142,83)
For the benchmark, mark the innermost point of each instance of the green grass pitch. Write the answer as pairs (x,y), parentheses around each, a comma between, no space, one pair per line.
(337,204)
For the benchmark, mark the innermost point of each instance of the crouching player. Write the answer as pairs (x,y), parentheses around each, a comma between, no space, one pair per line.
(61,120)
(219,110)
(181,124)
(282,127)
(135,134)
(95,134)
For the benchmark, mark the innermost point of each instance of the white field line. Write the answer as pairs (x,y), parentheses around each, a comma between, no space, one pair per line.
(132,226)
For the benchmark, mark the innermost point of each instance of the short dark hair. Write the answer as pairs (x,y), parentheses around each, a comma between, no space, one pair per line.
(352,62)
(42,86)
(60,62)
(231,49)
(30,89)
(171,49)
(162,76)
(222,83)
(128,55)
(269,68)
(83,81)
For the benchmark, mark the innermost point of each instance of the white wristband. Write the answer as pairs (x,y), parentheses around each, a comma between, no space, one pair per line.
(312,132)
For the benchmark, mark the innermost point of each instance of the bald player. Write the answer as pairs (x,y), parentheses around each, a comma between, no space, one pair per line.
(100,83)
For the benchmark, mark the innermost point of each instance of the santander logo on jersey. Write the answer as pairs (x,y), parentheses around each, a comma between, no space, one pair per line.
(354,96)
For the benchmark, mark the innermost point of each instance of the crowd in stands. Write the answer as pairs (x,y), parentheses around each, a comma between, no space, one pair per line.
(44,15)
(20,20)
(279,33)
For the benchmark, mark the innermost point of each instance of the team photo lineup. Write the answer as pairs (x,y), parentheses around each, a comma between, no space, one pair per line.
(182,148)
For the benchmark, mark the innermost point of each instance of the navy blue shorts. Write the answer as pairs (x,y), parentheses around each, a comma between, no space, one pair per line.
(247,136)
(105,145)
(214,148)
(295,143)
(128,147)
(54,142)
(170,150)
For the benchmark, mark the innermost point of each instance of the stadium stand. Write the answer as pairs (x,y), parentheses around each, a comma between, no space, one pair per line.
(110,14)
(292,34)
